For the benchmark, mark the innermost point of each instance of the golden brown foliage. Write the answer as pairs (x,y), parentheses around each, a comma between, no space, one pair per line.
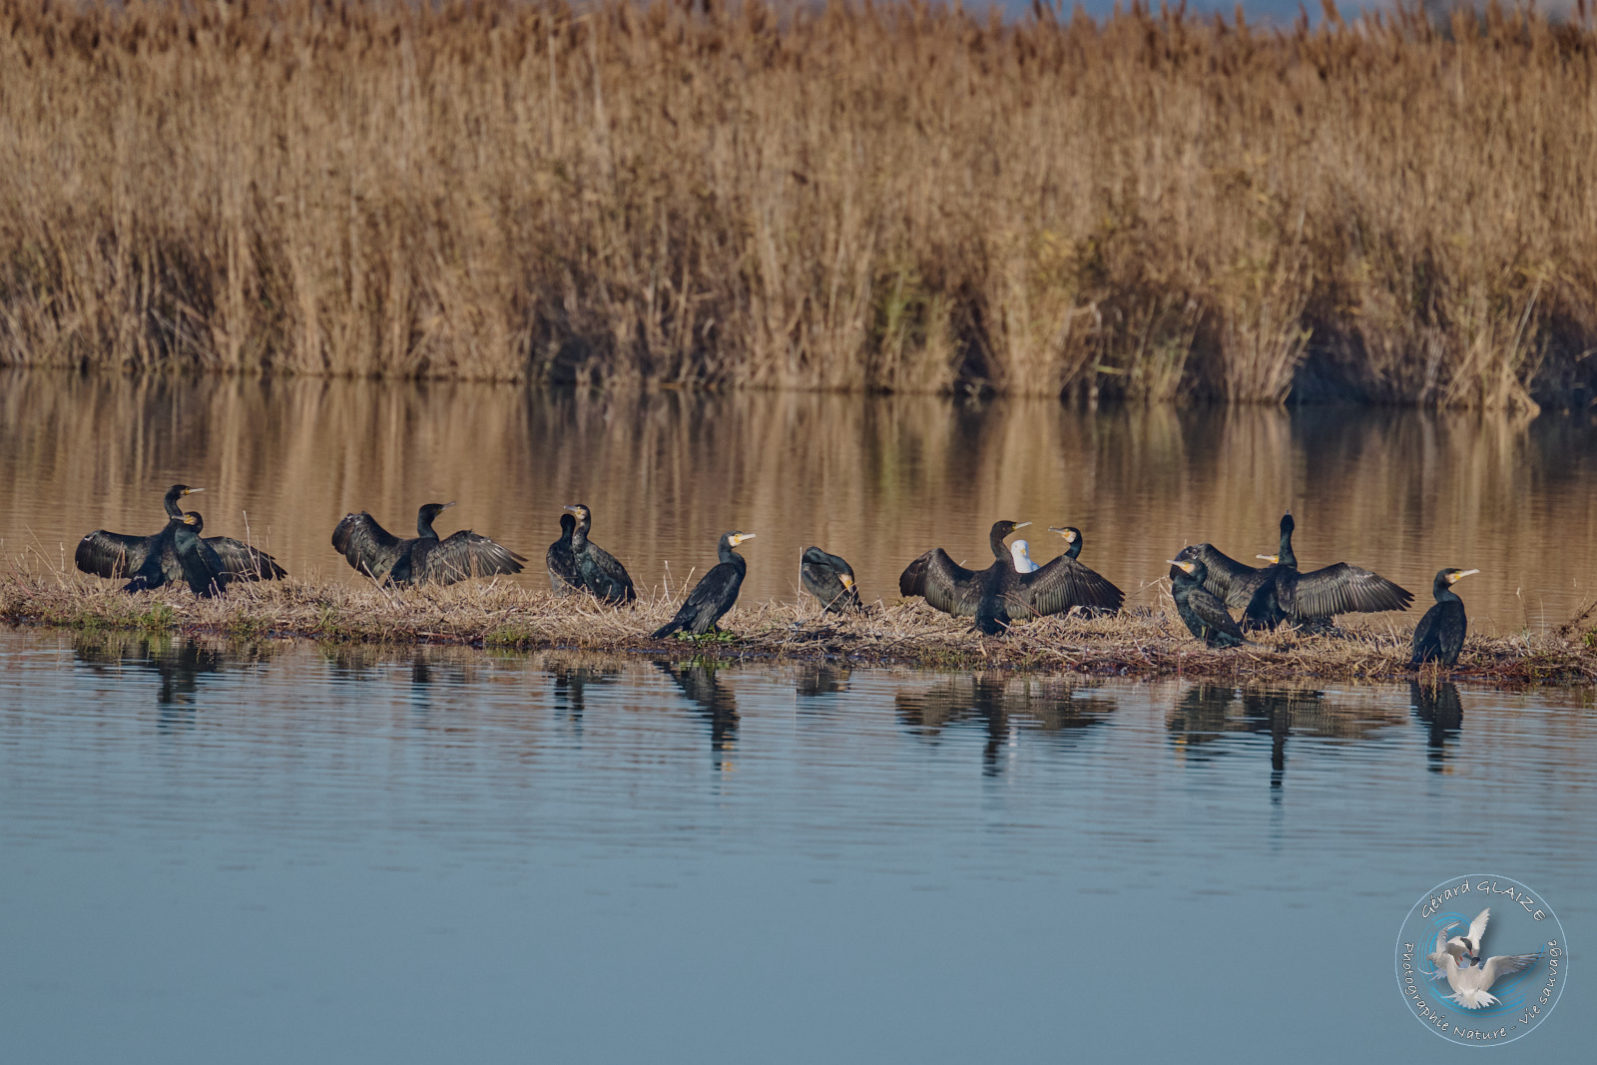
(890,197)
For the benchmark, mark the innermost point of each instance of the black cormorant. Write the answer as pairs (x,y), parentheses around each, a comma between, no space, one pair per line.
(375,551)
(109,554)
(1204,612)
(564,576)
(1312,599)
(830,579)
(1234,582)
(999,593)
(601,573)
(197,561)
(1090,591)
(1440,634)
(715,593)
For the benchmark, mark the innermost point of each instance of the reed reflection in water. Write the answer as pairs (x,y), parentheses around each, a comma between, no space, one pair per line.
(364,846)
(876,479)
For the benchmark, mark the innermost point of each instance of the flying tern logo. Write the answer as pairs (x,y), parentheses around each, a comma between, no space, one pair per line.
(1481,959)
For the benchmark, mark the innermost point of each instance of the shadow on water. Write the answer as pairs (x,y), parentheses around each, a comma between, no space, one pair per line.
(1003,705)
(713,699)
(1438,709)
(1208,719)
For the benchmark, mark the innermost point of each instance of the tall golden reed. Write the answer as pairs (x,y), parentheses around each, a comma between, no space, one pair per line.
(888,197)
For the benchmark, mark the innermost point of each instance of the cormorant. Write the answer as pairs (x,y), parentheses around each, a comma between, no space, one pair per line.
(715,593)
(1312,599)
(995,595)
(197,561)
(1235,582)
(830,579)
(1110,597)
(1440,634)
(564,576)
(1204,612)
(375,551)
(109,554)
(601,574)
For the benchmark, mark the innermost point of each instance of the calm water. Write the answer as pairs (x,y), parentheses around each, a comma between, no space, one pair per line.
(208,854)
(876,480)
(307,855)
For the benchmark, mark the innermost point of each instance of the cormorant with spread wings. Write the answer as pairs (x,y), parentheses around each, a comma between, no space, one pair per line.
(375,551)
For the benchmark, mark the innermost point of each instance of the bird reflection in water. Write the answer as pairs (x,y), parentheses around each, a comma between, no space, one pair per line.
(178,663)
(820,678)
(1208,715)
(571,681)
(1438,708)
(1207,712)
(714,700)
(1005,705)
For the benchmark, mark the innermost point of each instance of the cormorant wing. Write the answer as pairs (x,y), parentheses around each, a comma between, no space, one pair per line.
(1064,583)
(1233,581)
(370,548)
(466,554)
(109,554)
(943,583)
(1343,589)
(240,561)
(1212,612)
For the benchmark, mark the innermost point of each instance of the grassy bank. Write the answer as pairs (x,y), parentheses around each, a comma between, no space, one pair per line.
(1140,643)
(893,198)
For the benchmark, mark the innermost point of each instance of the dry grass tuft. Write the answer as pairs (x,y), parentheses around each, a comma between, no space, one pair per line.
(1140,643)
(889,197)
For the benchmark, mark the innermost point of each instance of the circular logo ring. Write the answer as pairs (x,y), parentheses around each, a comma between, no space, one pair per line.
(1481,959)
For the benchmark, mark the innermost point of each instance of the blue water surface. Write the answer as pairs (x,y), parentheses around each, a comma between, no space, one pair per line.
(295,854)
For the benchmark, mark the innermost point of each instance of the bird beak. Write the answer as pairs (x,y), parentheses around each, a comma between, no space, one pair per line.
(1022,524)
(449,504)
(848,582)
(1269,558)
(740,537)
(572,509)
(1459,575)
(188,519)
(1184,567)
(191,491)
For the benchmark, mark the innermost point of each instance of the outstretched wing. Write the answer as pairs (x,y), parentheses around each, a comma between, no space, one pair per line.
(1233,581)
(109,554)
(1064,583)
(1477,927)
(1494,969)
(1343,589)
(242,562)
(943,583)
(466,554)
(370,548)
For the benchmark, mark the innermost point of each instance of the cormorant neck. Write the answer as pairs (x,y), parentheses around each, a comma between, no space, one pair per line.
(1287,557)
(424,525)
(1074,549)
(725,552)
(996,539)
(1443,590)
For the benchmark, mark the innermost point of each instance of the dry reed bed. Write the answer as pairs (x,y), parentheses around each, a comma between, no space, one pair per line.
(883,198)
(1136,644)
